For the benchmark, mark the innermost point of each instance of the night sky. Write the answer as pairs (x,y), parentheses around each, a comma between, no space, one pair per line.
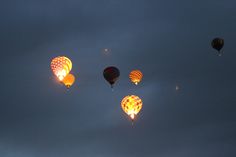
(169,41)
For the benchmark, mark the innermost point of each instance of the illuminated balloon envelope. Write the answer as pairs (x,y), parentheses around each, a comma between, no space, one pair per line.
(131,105)
(69,80)
(111,74)
(61,66)
(135,76)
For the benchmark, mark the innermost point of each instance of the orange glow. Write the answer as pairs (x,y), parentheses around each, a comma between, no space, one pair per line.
(61,66)
(69,80)
(136,76)
(131,105)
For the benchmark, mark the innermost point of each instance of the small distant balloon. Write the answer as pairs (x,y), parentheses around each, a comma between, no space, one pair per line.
(106,51)
(218,43)
(69,80)
(111,74)
(176,87)
(136,76)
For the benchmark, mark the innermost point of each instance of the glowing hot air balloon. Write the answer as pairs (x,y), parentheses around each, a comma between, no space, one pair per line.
(131,105)
(61,66)
(69,80)
(135,76)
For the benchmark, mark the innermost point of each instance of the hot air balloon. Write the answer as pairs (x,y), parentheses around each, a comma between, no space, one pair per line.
(135,76)
(61,66)
(131,105)
(176,87)
(106,51)
(218,44)
(111,74)
(69,80)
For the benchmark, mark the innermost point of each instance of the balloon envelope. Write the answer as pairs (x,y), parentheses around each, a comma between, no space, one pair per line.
(136,76)
(111,74)
(131,105)
(69,80)
(61,66)
(217,43)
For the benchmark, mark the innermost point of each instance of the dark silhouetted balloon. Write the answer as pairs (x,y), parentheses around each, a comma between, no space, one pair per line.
(218,44)
(111,74)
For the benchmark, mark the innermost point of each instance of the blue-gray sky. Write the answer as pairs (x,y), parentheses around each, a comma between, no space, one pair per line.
(169,41)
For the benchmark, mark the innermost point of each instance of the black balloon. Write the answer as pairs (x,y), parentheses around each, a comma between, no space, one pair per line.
(217,43)
(111,74)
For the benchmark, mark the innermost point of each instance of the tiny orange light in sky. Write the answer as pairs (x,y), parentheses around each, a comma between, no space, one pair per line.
(69,80)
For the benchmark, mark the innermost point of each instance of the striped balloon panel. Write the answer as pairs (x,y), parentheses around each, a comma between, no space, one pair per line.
(135,76)
(61,66)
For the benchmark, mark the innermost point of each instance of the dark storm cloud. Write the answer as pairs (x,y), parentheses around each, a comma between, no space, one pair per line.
(167,40)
